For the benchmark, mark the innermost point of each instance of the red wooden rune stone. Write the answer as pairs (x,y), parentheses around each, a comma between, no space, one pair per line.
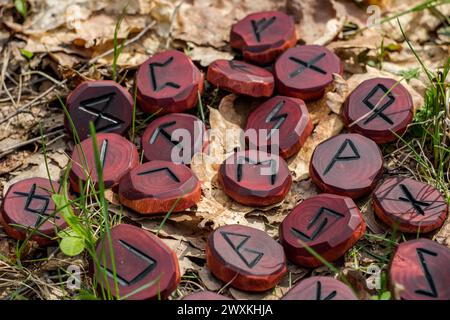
(205,295)
(140,258)
(174,137)
(421,268)
(347,164)
(286,116)
(379,109)
(168,82)
(320,288)
(247,258)
(305,72)
(263,36)
(108,105)
(408,205)
(255,178)
(28,211)
(241,78)
(159,186)
(116,154)
(328,224)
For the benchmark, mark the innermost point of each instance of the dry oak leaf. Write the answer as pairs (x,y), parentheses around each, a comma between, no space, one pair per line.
(206,55)
(419,25)
(319,22)
(208,22)
(216,207)
(327,128)
(214,214)
(99,29)
(225,136)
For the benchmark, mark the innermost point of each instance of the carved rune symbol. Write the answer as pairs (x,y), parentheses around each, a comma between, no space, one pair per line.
(311,64)
(97,107)
(238,66)
(378,110)
(161,130)
(41,214)
(259,26)
(417,205)
(242,160)
(151,265)
(274,116)
(314,221)
(155,85)
(319,293)
(237,241)
(169,172)
(103,151)
(433,291)
(339,156)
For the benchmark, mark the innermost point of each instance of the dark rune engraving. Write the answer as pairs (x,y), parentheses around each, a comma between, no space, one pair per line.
(151,265)
(377,110)
(338,156)
(242,160)
(238,66)
(161,130)
(165,169)
(314,221)
(259,26)
(103,151)
(417,205)
(155,85)
(433,291)
(274,116)
(97,107)
(319,293)
(240,250)
(41,214)
(311,64)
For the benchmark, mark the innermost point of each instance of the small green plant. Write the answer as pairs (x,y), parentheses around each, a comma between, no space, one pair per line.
(118,48)
(383,293)
(429,132)
(21,7)
(200,107)
(27,54)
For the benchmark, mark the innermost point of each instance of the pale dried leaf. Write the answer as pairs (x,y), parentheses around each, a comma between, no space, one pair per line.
(327,128)
(206,55)
(208,22)
(208,279)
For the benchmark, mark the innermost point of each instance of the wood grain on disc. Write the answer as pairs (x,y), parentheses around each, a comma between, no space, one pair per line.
(255,178)
(174,137)
(408,205)
(159,186)
(306,71)
(248,256)
(241,78)
(28,210)
(328,224)
(380,109)
(421,267)
(116,154)
(347,164)
(263,36)
(320,288)
(168,82)
(140,258)
(288,117)
(107,104)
